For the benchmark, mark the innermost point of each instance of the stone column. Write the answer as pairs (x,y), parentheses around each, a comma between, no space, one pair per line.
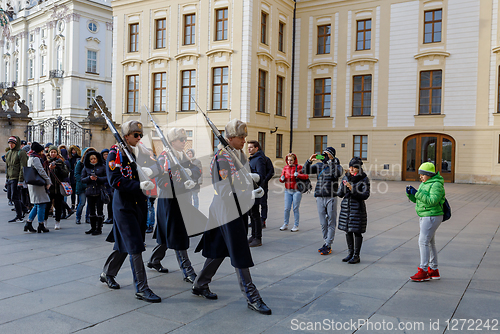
(11,125)
(102,137)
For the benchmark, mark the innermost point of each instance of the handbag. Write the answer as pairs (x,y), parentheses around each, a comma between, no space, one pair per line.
(446,210)
(64,187)
(304,186)
(105,197)
(32,177)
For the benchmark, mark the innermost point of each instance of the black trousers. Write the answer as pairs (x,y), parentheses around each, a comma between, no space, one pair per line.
(255,222)
(115,261)
(95,205)
(15,196)
(58,200)
(263,205)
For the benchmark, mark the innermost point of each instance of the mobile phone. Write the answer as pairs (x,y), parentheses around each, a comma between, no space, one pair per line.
(344,182)
(320,157)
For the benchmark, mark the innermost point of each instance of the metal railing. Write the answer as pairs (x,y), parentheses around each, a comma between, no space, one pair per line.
(56,74)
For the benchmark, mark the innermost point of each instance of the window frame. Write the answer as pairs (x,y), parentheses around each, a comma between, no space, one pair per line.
(433,23)
(191,88)
(135,93)
(263,27)
(279,146)
(220,84)
(430,89)
(31,69)
(362,92)
(281,37)
(162,31)
(58,101)
(42,101)
(364,31)
(322,94)
(42,65)
(162,91)
(133,40)
(326,37)
(89,69)
(323,139)
(363,146)
(225,24)
(261,138)
(279,95)
(261,98)
(90,96)
(498,91)
(192,29)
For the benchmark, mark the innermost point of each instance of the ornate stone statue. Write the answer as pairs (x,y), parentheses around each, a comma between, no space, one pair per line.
(23,107)
(95,112)
(10,97)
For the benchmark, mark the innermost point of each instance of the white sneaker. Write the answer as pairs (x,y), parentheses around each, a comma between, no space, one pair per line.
(284,227)
(57,226)
(294,228)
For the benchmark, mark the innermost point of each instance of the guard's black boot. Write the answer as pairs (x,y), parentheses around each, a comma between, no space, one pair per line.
(259,306)
(350,245)
(109,280)
(99,222)
(93,225)
(358,241)
(29,227)
(185,265)
(141,280)
(41,228)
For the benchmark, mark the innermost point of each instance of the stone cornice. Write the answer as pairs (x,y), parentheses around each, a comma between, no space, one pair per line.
(131,61)
(187,55)
(322,64)
(158,59)
(431,54)
(362,60)
(220,51)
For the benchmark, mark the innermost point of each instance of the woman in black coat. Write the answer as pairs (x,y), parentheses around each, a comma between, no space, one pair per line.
(94,176)
(58,171)
(354,190)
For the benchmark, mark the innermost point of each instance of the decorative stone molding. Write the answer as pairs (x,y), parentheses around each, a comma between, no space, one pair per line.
(37,30)
(322,64)
(430,55)
(496,49)
(158,59)
(59,38)
(6,56)
(264,54)
(59,11)
(362,61)
(31,51)
(72,17)
(95,39)
(131,62)
(282,62)
(51,24)
(219,52)
(109,26)
(187,55)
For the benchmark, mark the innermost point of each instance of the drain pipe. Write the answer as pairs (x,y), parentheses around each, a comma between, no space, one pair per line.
(293,75)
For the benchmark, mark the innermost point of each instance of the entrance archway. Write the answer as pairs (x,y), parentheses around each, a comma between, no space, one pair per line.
(432,147)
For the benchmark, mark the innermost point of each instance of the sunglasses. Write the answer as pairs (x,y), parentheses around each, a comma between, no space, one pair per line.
(138,135)
(182,139)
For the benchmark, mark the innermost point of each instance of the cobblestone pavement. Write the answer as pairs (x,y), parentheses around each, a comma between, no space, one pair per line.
(49,283)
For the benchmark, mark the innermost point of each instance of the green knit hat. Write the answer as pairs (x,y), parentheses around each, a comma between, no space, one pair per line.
(53,147)
(427,168)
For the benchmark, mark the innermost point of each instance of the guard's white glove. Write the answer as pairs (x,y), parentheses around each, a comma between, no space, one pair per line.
(147,171)
(255,177)
(258,193)
(282,178)
(189,184)
(147,185)
(188,171)
(296,174)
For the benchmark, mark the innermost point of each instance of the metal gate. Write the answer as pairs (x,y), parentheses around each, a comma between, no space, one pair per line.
(59,132)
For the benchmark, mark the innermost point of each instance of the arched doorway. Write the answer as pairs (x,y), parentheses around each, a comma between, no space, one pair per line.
(433,147)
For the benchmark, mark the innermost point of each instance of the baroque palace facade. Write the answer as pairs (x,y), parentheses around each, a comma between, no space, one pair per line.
(395,82)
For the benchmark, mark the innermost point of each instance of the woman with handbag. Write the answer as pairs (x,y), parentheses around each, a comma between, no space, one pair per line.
(94,176)
(57,170)
(38,194)
(291,173)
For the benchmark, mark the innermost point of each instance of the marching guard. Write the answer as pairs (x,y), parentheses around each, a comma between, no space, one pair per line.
(129,212)
(230,237)
(175,208)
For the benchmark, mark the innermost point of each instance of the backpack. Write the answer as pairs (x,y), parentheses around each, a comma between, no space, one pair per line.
(446,210)
(304,186)
(269,169)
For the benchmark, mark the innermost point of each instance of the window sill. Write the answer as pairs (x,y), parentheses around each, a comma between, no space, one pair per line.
(94,73)
(431,115)
(361,116)
(321,117)
(160,112)
(132,113)
(496,114)
(280,116)
(262,113)
(218,110)
(187,111)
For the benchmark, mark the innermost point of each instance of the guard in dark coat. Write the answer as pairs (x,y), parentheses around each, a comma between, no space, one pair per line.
(129,214)
(257,161)
(233,198)
(355,189)
(174,207)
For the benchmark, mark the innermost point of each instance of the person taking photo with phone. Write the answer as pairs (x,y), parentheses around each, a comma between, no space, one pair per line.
(328,170)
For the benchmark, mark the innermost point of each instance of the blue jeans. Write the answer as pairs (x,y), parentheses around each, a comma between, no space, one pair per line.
(38,209)
(82,198)
(196,200)
(292,196)
(151,213)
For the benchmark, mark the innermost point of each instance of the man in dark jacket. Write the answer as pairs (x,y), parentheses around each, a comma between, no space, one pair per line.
(129,215)
(15,159)
(265,186)
(233,195)
(257,162)
(328,171)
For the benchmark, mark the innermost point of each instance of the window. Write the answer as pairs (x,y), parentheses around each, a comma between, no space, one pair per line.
(58,98)
(261,107)
(279,146)
(59,58)
(32,38)
(430,92)
(324,33)
(498,110)
(133,93)
(320,143)
(134,37)
(215,141)
(432,26)
(364,35)
(189,133)
(362,95)
(91,61)
(17,70)
(189,29)
(261,138)
(6,71)
(42,66)
(161,33)
(281,37)
(322,97)
(160,92)
(221,24)
(42,101)
(92,26)
(220,88)
(188,89)
(279,95)
(360,147)
(30,69)
(44,33)
(263,28)
(30,101)
(90,97)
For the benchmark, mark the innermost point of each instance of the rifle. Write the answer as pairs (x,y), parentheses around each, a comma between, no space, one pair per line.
(189,183)
(123,145)
(227,147)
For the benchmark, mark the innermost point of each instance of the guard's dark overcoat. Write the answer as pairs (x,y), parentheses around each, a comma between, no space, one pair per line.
(229,239)
(129,205)
(170,228)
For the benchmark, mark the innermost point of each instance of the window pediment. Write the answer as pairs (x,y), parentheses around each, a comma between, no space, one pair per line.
(362,61)
(187,55)
(264,54)
(430,55)
(219,52)
(131,62)
(496,49)
(158,59)
(322,64)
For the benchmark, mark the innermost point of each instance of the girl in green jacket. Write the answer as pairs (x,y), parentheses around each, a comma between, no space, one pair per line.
(429,199)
